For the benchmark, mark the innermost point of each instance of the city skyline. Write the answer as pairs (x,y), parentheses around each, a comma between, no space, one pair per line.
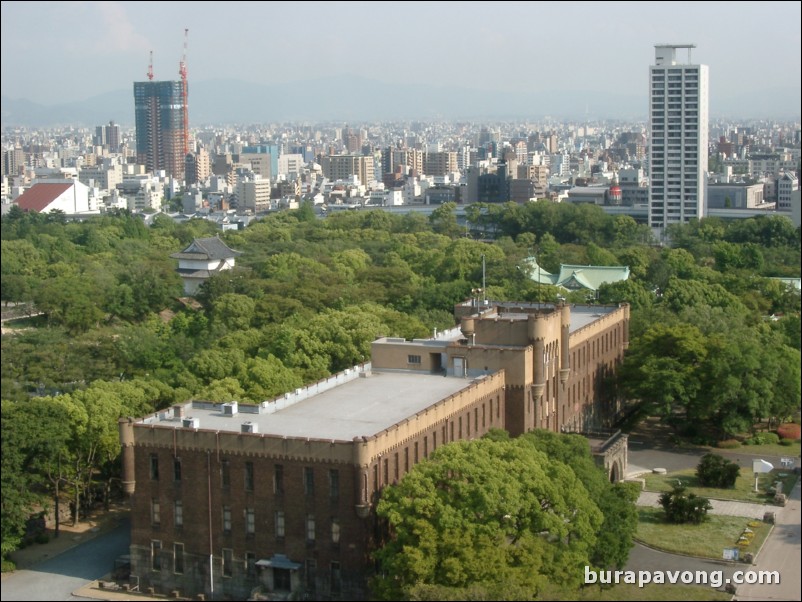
(55,53)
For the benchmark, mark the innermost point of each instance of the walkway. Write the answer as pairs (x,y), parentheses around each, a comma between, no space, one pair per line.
(725,507)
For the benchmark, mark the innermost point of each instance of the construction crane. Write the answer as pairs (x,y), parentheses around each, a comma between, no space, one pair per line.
(150,67)
(182,71)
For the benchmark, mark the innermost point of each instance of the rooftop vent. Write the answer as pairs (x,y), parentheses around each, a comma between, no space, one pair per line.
(190,422)
(250,427)
(230,409)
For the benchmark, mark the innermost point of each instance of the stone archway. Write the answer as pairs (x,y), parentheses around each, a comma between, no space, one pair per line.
(615,472)
(612,455)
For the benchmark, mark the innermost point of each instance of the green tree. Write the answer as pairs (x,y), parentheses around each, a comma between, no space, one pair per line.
(444,221)
(716,471)
(497,514)
(615,501)
(682,507)
(662,367)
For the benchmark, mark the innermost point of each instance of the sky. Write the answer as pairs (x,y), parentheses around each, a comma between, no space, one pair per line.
(55,52)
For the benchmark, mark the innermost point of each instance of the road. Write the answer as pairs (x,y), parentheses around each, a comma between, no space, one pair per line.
(782,553)
(58,577)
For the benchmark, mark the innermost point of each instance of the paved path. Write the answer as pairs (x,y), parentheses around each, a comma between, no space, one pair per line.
(782,552)
(57,577)
(725,507)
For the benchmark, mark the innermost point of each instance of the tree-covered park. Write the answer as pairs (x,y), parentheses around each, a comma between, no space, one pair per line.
(113,338)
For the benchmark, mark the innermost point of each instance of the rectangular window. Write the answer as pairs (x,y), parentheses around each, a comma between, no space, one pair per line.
(413,359)
(311,570)
(416,452)
(178,558)
(156,555)
(226,519)
(334,485)
(228,562)
(309,481)
(250,564)
(335,530)
(177,470)
(278,479)
(279,524)
(426,447)
(225,473)
(178,512)
(155,512)
(310,527)
(336,585)
(386,465)
(154,467)
(248,476)
(250,521)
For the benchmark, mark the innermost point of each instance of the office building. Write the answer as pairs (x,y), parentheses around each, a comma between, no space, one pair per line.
(678,132)
(160,135)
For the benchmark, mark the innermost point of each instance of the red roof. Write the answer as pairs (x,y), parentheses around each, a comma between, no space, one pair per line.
(39,196)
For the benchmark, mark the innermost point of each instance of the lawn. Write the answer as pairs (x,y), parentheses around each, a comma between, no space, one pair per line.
(652,592)
(744,489)
(707,540)
(769,449)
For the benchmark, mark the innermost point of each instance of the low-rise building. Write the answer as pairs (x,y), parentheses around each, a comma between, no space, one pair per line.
(201,259)
(279,498)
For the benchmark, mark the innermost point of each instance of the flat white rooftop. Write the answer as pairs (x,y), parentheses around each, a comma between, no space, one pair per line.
(360,407)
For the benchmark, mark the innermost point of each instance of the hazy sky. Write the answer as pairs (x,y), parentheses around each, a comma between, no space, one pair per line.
(55,52)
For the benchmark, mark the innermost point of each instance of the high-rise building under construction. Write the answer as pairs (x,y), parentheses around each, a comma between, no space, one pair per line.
(160,126)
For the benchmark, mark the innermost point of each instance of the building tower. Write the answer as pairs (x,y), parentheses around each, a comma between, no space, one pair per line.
(678,131)
(160,125)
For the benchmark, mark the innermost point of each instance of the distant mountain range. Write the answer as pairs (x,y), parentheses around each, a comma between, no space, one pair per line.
(356,99)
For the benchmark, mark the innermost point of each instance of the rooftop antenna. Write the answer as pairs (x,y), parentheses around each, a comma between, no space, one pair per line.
(150,67)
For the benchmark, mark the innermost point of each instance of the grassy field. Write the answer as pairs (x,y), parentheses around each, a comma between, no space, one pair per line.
(707,540)
(770,449)
(744,489)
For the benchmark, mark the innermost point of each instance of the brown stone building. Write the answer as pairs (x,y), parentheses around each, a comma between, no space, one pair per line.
(280,496)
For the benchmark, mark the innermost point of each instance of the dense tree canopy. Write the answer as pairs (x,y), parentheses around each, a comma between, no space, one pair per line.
(502,518)
(308,296)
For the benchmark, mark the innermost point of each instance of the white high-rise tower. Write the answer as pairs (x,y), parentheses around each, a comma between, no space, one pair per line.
(678,131)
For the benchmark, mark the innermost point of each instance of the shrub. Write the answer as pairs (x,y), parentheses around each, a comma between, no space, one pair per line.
(763,439)
(681,507)
(787,442)
(728,444)
(789,431)
(42,538)
(716,471)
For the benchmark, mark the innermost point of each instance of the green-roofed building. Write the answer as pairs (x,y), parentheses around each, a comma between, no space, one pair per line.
(578,277)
